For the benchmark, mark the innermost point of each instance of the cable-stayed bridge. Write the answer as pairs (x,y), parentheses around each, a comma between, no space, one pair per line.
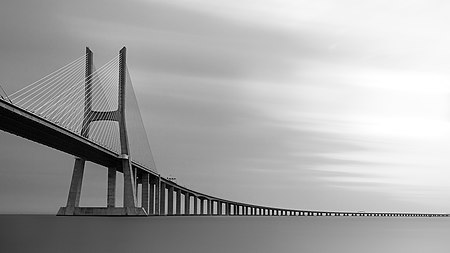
(92,113)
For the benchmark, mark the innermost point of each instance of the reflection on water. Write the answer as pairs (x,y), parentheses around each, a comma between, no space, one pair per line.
(45,233)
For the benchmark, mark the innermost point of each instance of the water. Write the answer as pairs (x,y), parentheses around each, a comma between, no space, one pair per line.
(45,233)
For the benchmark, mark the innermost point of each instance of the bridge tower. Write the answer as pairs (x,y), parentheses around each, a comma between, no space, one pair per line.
(125,166)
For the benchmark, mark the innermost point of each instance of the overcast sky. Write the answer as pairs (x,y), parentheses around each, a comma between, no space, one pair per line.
(334,105)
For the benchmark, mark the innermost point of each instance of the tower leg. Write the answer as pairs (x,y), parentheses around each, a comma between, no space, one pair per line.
(129,196)
(75,186)
(73,200)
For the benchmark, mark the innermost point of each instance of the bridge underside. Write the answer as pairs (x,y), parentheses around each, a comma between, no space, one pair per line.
(22,123)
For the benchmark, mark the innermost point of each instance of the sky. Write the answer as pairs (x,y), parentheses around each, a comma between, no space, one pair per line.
(332,105)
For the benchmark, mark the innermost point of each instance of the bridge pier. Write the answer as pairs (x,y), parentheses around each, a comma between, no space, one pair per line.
(195,203)
(157,183)
(152,197)
(202,205)
(187,203)
(145,191)
(162,199)
(219,207)
(178,201)
(170,200)
(111,198)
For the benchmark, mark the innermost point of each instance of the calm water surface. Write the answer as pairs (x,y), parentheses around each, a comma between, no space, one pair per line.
(42,233)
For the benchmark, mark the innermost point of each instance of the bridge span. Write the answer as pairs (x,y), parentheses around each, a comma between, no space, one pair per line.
(40,122)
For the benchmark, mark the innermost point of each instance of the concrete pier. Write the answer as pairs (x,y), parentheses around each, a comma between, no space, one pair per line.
(202,206)
(219,208)
(162,199)
(187,203)
(145,191)
(170,200)
(209,206)
(151,202)
(178,201)
(227,208)
(195,205)
(111,192)
(157,182)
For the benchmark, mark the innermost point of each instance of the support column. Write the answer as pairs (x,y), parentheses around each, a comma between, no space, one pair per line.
(151,202)
(145,191)
(111,199)
(202,206)
(187,203)
(162,199)
(195,204)
(219,208)
(157,195)
(178,201)
(170,200)
(209,207)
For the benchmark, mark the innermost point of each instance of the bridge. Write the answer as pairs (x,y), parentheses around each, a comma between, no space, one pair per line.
(93,115)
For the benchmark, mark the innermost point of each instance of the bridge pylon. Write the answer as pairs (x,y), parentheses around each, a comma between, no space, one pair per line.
(130,175)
